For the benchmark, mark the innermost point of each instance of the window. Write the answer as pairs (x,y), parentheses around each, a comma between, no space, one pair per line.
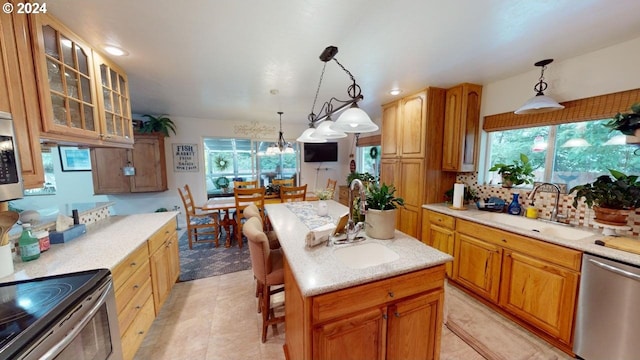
(369,160)
(573,153)
(49,187)
(227,160)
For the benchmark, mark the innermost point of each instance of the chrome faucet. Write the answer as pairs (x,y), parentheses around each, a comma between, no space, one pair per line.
(352,229)
(554,213)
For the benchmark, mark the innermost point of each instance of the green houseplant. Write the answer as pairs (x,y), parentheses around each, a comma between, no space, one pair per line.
(160,123)
(365,177)
(381,211)
(627,123)
(517,173)
(611,198)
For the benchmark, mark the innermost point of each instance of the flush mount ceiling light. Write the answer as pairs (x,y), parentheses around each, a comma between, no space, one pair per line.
(352,120)
(115,51)
(280,146)
(540,103)
(395,92)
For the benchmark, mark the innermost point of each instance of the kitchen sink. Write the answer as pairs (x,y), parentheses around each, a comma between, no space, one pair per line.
(561,231)
(364,255)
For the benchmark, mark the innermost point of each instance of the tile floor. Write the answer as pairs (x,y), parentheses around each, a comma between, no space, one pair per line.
(216,318)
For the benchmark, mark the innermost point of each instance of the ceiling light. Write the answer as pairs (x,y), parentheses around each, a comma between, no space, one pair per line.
(306,137)
(540,103)
(353,120)
(115,51)
(395,92)
(617,140)
(280,146)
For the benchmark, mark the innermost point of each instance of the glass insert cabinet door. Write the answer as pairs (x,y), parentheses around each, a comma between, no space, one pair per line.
(113,97)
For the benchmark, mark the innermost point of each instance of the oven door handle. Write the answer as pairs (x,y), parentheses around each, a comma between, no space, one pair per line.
(57,348)
(616,270)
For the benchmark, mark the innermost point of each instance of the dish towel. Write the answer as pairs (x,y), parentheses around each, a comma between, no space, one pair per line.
(319,235)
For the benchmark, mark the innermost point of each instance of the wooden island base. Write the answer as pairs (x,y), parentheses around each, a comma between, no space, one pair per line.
(394,318)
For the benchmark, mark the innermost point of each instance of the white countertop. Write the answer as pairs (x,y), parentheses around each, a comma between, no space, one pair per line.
(104,245)
(587,244)
(318,271)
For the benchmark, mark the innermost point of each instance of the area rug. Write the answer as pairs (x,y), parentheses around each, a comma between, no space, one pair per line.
(206,260)
(491,335)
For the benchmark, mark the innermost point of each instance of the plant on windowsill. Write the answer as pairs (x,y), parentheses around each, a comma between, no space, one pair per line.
(612,199)
(160,123)
(382,205)
(627,123)
(518,173)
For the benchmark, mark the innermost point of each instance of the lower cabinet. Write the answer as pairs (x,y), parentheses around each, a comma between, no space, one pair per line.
(142,282)
(394,318)
(477,266)
(438,231)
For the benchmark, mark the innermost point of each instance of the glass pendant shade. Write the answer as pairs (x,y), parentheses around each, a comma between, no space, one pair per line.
(539,104)
(354,120)
(325,131)
(576,142)
(306,137)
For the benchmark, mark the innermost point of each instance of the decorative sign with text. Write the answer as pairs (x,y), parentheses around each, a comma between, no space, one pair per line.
(185,158)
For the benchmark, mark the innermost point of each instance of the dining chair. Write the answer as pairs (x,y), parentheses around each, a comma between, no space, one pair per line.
(243,198)
(252,211)
(268,269)
(283,182)
(331,186)
(293,193)
(245,184)
(201,225)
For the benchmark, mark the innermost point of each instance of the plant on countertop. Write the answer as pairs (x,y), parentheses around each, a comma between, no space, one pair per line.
(621,192)
(383,197)
(160,123)
(324,194)
(518,173)
(627,123)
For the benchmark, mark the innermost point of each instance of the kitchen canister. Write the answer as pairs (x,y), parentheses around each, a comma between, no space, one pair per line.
(6,260)
(43,239)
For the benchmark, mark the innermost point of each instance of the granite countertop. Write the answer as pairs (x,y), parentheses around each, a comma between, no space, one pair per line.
(318,271)
(104,245)
(48,216)
(586,244)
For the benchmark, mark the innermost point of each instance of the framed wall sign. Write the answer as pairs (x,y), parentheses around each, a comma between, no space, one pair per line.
(185,158)
(74,159)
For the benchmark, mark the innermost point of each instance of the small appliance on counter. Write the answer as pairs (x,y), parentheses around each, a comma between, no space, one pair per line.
(493,203)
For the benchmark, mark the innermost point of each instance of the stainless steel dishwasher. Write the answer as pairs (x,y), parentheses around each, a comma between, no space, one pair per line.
(608,315)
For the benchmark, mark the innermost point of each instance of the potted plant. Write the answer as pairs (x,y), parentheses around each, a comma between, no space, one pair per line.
(612,199)
(518,173)
(365,177)
(381,211)
(628,124)
(160,123)
(323,195)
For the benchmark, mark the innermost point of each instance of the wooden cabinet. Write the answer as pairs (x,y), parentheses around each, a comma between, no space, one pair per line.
(462,128)
(343,195)
(165,263)
(394,318)
(19,94)
(438,231)
(411,158)
(147,158)
(70,80)
(534,282)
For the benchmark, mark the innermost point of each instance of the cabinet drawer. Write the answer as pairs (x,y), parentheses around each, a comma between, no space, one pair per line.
(133,337)
(443,220)
(132,308)
(416,282)
(123,271)
(132,286)
(553,253)
(157,239)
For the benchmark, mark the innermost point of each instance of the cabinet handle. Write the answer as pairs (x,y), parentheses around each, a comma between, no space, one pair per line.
(140,332)
(390,293)
(504,240)
(136,286)
(138,307)
(166,232)
(133,264)
(384,316)
(396,314)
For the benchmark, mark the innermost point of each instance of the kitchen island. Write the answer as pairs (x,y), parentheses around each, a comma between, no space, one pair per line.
(337,309)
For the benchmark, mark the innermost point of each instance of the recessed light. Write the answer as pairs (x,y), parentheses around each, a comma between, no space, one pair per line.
(115,51)
(395,92)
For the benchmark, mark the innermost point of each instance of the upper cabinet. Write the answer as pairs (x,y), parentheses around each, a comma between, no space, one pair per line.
(462,128)
(70,75)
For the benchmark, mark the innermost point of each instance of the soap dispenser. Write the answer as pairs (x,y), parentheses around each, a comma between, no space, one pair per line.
(514,207)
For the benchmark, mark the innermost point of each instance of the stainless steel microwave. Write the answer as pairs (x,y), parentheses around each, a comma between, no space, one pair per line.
(10,182)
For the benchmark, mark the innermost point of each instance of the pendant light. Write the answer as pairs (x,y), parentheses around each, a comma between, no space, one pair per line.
(540,103)
(280,146)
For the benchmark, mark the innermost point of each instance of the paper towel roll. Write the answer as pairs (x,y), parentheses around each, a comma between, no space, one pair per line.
(458,195)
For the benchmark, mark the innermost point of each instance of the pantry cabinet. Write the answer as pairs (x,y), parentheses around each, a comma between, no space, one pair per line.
(19,96)
(146,160)
(462,128)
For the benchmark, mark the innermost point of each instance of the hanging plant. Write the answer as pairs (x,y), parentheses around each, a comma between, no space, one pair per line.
(221,163)
(160,123)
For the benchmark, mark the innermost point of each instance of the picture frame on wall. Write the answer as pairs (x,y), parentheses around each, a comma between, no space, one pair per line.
(74,159)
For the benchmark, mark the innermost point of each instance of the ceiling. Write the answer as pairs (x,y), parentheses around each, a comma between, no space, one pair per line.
(221,59)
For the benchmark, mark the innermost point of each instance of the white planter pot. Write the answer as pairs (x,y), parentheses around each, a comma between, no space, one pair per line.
(323,208)
(380,224)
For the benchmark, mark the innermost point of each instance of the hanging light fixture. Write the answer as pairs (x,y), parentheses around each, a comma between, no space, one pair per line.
(280,146)
(540,103)
(353,120)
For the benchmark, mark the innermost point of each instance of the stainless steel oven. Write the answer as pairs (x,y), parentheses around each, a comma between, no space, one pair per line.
(10,183)
(71,316)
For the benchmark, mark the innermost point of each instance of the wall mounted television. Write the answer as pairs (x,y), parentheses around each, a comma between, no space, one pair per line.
(320,152)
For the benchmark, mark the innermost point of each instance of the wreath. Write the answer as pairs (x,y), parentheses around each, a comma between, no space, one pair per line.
(221,163)
(373,153)
(222,182)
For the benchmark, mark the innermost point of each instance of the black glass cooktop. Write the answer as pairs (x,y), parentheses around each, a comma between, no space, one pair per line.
(28,307)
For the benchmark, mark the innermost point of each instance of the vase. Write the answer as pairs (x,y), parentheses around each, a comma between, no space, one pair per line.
(380,224)
(514,207)
(323,208)
(616,217)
